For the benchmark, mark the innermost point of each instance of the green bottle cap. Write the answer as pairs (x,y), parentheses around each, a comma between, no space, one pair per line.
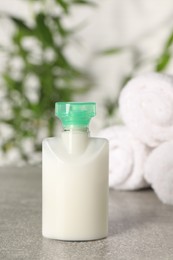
(75,114)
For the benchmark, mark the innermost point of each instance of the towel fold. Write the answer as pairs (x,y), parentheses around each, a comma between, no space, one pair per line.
(159,171)
(126,159)
(146,107)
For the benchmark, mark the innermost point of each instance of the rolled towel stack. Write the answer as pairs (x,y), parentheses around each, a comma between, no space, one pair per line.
(146,107)
(126,160)
(159,171)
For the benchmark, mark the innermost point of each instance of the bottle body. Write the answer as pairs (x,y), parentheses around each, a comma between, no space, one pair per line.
(75,187)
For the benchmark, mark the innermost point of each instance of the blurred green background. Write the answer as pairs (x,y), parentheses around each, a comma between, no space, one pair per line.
(37,72)
(35,78)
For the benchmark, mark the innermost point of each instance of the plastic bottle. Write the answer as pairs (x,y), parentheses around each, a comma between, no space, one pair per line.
(75,178)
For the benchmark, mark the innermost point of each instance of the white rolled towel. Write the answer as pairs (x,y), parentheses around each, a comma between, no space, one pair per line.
(159,171)
(146,107)
(127,157)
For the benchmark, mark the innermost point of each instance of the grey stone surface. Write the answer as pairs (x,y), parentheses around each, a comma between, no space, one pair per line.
(140,226)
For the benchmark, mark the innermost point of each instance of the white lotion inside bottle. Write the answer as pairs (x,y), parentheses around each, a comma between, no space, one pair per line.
(75,179)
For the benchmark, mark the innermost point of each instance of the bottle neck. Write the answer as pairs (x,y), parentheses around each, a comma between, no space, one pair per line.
(75,139)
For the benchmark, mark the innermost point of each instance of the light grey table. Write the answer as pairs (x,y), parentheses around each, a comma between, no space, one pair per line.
(140,226)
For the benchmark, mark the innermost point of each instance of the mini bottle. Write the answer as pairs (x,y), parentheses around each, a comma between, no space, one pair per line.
(75,178)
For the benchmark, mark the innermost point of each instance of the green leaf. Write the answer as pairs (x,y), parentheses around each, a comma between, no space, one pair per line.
(51,125)
(110,106)
(84,2)
(43,31)
(12,84)
(21,25)
(169,41)
(165,58)
(163,62)
(64,5)
(8,121)
(63,32)
(111,51)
